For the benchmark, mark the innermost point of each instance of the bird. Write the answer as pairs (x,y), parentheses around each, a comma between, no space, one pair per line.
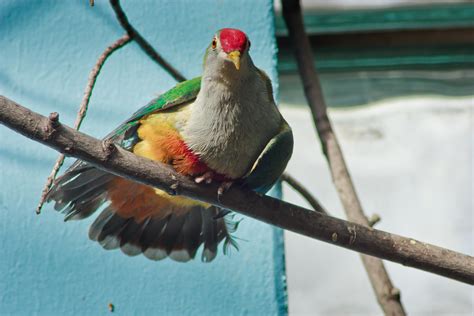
(223,126)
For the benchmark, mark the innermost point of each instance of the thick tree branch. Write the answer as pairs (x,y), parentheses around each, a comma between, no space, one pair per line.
(116,160)
(82,109)
(144,45)
(387,295)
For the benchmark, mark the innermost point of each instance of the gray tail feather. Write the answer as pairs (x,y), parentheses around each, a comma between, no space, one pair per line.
(80,191)
(83,190)
(177,237)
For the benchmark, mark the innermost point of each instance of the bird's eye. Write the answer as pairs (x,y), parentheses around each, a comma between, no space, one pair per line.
(250,44)
(214,44)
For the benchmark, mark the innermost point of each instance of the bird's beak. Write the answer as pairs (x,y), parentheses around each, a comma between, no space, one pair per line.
(235,58)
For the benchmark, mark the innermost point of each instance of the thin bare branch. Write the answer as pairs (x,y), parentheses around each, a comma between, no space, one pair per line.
(93,77)
(298,187)
(383,287)
(82,110)
(144,45)
(374,219)
(120,162)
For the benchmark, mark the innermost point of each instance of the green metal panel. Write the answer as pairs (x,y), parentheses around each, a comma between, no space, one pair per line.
(412,17)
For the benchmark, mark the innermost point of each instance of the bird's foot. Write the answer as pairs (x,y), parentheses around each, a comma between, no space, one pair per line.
(223,187)
(205,177)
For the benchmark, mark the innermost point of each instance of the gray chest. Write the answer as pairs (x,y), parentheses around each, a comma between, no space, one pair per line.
(229,127)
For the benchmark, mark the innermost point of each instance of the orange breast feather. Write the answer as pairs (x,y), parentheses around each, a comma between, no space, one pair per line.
(160,141)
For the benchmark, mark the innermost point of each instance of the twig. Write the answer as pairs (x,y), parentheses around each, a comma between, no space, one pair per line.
(378,276)
(82,110)
(298,187)
(93,77)
(374,219)
(316,225)
(144,45)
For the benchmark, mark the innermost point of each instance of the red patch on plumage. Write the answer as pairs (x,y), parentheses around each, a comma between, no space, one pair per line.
(187,162)
(233,39)
(164,144)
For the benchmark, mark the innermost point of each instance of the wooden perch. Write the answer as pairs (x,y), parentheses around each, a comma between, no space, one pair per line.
(116,160)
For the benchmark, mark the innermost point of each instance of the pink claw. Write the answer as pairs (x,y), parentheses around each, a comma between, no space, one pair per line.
(205,177)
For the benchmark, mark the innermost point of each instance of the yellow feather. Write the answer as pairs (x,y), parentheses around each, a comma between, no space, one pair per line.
(153,131)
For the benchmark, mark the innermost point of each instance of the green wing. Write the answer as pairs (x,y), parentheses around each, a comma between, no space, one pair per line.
(182,93)
(125,135)
(272,161)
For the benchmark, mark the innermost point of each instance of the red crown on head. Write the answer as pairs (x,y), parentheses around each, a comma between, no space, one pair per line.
(233,39)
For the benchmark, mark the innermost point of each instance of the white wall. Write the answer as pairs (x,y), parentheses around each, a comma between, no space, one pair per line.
(412,162)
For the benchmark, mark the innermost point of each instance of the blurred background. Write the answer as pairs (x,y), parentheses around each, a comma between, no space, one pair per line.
(398,77)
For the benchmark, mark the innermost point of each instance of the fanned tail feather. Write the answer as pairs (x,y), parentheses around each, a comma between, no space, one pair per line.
(178,235)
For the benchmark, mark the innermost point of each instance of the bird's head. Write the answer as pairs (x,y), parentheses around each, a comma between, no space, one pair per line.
(228,51)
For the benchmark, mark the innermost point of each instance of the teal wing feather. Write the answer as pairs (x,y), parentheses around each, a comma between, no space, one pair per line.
(272,161)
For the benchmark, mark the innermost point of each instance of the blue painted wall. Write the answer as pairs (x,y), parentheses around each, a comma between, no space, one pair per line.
(49,267)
